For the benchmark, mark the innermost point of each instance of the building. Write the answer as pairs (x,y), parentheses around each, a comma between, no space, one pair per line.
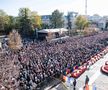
(105,22)
(102,23)
(99,21)
(94,18)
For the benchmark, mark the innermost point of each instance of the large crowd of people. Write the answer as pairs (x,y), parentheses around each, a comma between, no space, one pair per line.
(36,62)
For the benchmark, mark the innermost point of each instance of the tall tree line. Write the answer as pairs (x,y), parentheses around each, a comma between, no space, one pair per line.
(27,21)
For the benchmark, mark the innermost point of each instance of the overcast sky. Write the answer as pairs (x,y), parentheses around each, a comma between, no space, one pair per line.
(45,7)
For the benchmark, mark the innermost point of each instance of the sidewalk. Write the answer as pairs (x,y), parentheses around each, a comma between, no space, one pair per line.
(96,78)
(94,75)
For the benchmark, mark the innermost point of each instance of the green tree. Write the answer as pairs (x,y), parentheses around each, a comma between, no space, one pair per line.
(1,23)
(25,21)
(4,21)
(57,19)
(13,23)
(2,13)
(36,20)
(81,22)
(45,26)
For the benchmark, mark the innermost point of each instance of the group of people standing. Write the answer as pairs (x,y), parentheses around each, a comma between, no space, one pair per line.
(38,61)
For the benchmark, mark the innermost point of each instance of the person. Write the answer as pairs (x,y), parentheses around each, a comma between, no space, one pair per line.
(86,87)
(74,84)
(86,80)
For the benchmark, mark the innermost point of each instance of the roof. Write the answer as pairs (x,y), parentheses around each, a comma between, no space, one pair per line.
(52,30)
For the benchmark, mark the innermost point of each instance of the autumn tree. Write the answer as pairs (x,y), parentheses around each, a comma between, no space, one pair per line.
(81,22)
(15,41)
(25,22)
(36,20)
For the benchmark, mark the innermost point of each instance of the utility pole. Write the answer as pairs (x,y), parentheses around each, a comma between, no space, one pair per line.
(85,7)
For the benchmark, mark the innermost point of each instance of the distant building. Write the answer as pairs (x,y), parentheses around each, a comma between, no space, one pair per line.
(94,18)
(98,20)
(68,19)
(102,23)
(105,22)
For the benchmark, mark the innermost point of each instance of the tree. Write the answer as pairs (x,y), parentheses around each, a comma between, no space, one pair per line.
(2,13)
(45,26)
(36,20)
(57,19)
(7,23)
(4,21)
(1,23)
(12,24)
(81,22)
(26,28)
(14,41)
(69,24)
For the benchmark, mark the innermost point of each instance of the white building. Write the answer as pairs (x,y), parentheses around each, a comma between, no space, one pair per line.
(94,18)
(101,21)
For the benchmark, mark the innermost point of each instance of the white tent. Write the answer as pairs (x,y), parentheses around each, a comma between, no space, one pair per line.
(53,30)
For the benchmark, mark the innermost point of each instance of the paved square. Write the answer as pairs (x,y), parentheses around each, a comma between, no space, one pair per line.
(98,79)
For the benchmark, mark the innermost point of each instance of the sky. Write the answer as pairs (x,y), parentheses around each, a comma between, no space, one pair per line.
(45,7)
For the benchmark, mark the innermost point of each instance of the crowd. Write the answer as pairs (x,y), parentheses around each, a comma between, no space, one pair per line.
(37,61)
